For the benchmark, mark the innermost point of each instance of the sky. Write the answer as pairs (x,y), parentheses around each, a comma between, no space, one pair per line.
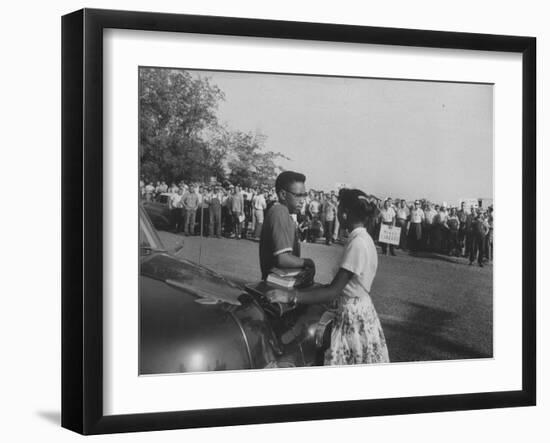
(398,138)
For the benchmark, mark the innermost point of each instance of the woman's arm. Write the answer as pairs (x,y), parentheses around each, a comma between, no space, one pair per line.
(315,295)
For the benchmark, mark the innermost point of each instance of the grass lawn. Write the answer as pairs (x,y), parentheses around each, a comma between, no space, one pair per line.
(431,308)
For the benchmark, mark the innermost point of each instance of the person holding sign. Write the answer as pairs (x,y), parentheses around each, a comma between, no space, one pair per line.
(387,217)
(357,336)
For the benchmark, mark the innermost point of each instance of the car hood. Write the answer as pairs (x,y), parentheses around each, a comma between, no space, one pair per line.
(207,285)
(177,334)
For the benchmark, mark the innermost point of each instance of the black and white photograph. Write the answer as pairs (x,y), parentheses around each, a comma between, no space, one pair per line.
(274,221)
(290,221)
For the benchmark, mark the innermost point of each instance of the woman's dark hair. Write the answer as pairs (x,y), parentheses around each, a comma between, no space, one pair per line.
(357,204)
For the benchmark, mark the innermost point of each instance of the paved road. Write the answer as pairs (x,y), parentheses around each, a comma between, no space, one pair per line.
(431,308)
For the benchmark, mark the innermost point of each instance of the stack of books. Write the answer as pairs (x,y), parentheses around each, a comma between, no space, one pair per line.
(286,278)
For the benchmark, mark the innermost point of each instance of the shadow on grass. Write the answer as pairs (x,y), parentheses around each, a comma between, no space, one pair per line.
(421,336)
(435,256)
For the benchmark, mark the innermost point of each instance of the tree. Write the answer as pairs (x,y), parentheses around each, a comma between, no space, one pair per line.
(175,109)
(180,137)
(248,164)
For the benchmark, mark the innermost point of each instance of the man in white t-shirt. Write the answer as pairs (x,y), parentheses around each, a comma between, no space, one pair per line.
(314,207)
(387,217)
(415,229)
(427,226)
(402,215)
(175,203)
(142,188)
(258,207)
(149,191)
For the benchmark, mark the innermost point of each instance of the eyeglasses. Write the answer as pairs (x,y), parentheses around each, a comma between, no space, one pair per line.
(301,195)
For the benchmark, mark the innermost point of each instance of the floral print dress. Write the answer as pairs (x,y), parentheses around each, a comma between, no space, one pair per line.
(357,335)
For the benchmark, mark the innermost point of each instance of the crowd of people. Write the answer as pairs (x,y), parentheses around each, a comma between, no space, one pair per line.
(425,226)
(238,212)
(283,216)
(212,209)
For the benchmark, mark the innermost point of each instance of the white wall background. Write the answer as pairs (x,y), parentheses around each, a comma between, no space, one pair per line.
(30,178)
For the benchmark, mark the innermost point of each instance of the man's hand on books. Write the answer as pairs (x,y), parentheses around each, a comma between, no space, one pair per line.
(308,274)
(309,263)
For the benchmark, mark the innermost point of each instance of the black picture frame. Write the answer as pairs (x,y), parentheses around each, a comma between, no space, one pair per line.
(82,230)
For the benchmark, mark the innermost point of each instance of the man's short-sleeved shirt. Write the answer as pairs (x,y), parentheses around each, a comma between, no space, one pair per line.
(387,215)
(430,214)
(329,210)
(417,215)
(442,217)
(176,200)
(402,213)
(237,202)
(190,201)
(259,202)
(278,237)
(314,206)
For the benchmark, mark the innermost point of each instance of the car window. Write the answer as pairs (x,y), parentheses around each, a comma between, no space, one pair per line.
(148,238)
(144,241)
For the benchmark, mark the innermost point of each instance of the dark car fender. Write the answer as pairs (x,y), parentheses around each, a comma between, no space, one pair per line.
(177,334)
(193,319)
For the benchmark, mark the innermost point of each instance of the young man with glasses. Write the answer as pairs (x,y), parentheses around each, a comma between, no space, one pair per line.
(279,239)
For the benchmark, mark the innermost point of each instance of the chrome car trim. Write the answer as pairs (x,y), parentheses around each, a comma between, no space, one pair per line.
(200,292)
(302,354)
(326,319)
(247,344)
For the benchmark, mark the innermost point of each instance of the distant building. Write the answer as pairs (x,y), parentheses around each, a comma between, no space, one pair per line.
(485,202)
(468,203)
(479,202)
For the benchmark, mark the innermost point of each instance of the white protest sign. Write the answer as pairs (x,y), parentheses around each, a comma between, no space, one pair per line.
(389,234)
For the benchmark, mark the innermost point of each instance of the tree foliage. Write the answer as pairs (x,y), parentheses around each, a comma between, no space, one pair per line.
(246,161)
(174,109)
(180,137)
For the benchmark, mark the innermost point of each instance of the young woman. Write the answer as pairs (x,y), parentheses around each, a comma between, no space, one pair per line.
(357,335)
